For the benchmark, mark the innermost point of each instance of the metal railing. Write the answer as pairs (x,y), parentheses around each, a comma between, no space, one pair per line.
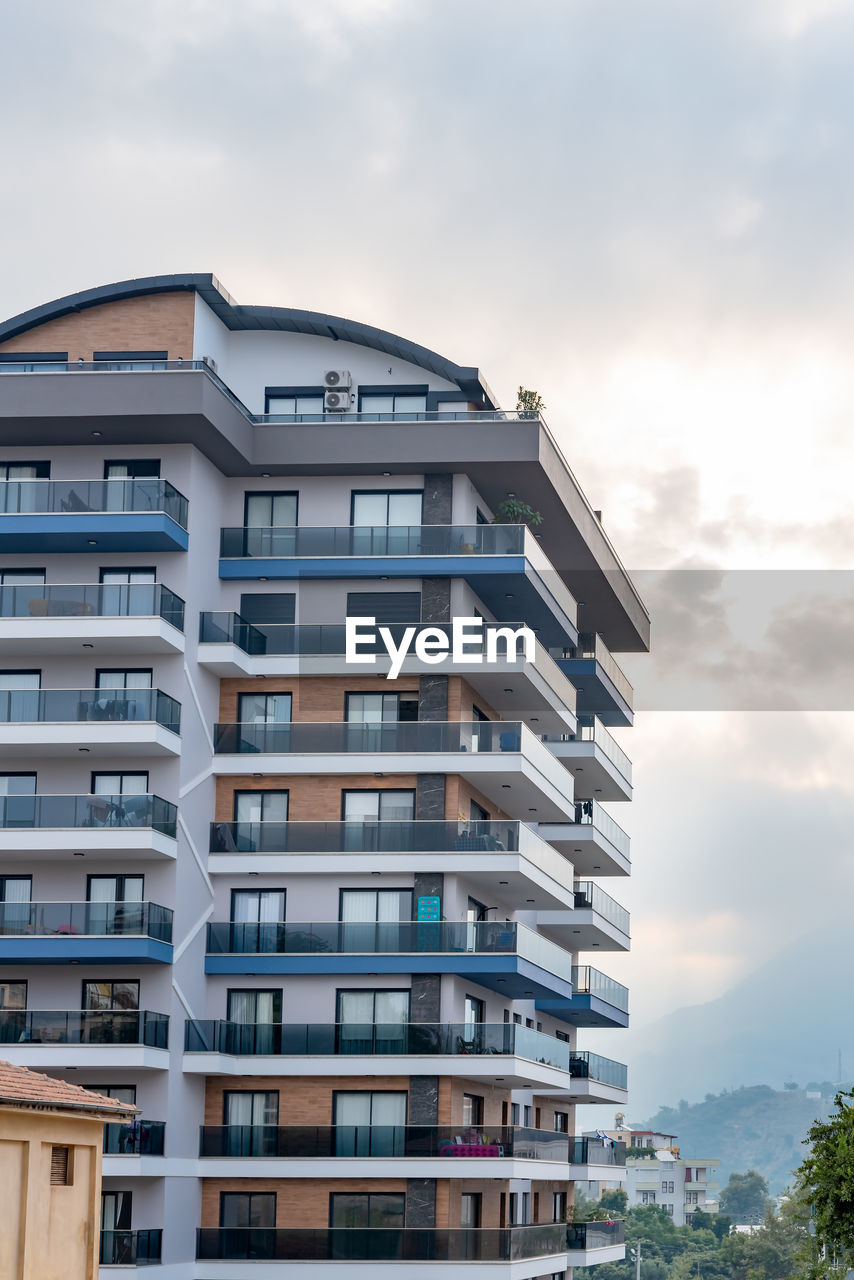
(322,1039)
(594,1235)
(373,540)
(382,1244)
(130,1248)
(490,937)
(592,1066)
(75,706)
(93,600)
(383,1142)
(590,897)
(595,1151)
(60,812)
(590,813)
(587,981)
(591,729)
(84,1026)
(388,836)
(593,646)
(337,737)
(97,497)
(89,919)
(137,1138)
(329,638)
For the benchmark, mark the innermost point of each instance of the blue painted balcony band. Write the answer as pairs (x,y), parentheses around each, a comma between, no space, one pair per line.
(92,515)
(89,932)
(93,600)
(501,563)
(76,706)
(597,1001)
(603,689)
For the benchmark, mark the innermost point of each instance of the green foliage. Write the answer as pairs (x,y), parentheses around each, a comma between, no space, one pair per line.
(615,1202)
(745,1197)
(827,1179)
(790,1084)
(584,1210)
(515,511)
(529,403)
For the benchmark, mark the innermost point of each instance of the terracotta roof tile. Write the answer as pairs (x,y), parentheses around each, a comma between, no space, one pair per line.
(32,1088)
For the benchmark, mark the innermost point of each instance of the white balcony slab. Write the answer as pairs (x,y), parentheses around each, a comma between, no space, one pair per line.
(582,929)
(374,1167)
(590,851)
(528,1269)
(99,738)
(27,636)
(595,1257)
(589,1092)
(597,776)
(89,1057)
(95,843)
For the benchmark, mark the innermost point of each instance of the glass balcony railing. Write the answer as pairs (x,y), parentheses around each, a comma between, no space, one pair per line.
(76,706)
(381,1244)
(489,937)
(338,737)
(591,729)
(587,981)
(100,497)
(592,1066)
(59,812)
(377,1039)
(87,919)
(84,1026)
(595,1151)
(405,836)
(137,1138)
(589,813)
(383,1141)
(374,540)
(592,646)
(131,1248)
(93,600)
(594,1235)
(589,897)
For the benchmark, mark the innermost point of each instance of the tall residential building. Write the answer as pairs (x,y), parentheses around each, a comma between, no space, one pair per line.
(331,932)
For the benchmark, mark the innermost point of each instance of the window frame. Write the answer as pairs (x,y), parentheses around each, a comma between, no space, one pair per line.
(112,983)
(359,493)
(282,393)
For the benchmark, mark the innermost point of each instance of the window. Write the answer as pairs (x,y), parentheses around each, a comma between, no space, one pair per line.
(375,708)
(514,1114)
(110,995)
(127,577)
(60,1167)
(558,1206)
(116,1211)
(121,1092)
(254,1006)
(268,608)
(527,1115)
(119,784)
(22,578)
(264,708)
(393,400)
(477,813)
(247,1209)
(118,888)
(123,678)
(16,799)
(124,591)
(24,470)
(474,1011)
(561,1122)
(372,1021)
(692,1197)
(371,919)
(387,607)
(470,1209)
(260,806)
(115,904)
(133,469)
(472,1109)
(294,400)
(366,1209)
(250,1107)
(21,496)
(369,1124)
(16,889)
(388,805)
(258,906)
(13,995)
(34,357)
(379,507)
(668,1208)
(647,1197)
(270,510)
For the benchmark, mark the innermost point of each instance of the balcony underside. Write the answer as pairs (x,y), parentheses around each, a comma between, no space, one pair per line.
(25,637)
(587,848)
(382,1167)
(597,693)
(96,843)
(60,1056)
(492,578)
(507,1070)
(516,691)
(508,974)
(596,777)
(584,1091)
(66,949)
(585,1011)
(582,929)
(74,532)
(528,1269)
(105,738)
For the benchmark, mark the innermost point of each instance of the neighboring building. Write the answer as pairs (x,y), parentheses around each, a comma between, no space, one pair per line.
(328,931)
(51,1134)
(681,1185)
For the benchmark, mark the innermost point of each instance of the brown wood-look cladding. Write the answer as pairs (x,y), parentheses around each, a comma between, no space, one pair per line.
(153,322)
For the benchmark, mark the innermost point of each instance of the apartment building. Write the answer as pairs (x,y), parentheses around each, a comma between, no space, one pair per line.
(680,1185)
(334,934)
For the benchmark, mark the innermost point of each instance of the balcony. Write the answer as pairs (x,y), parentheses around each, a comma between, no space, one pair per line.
(452,1245)
(599,765)
(85,932)
(500,563)
(131,1248)
(87,1038)
(110,618)
(138,1138)
(594,843)
(594,1079)
(596,923)
(597,1000)
(603,689)
(101,826)
(537,691)
(503,759)
(103,721)
(589,1243)
(484,1051)
(591,1159)
(484,851)
(45,516)
(504,956)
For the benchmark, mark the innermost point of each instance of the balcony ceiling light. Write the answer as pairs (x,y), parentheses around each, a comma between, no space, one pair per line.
(508,595)
(505,786)
(265,475)
(87,644)
(92,542)
(508,690)
(79,854)
(97,434)
(86,749)
(503,881)
(530,899)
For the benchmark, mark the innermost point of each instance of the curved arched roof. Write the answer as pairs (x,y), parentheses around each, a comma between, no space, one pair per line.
(233,316)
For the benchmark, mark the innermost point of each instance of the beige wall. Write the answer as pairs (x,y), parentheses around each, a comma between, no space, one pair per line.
(49,1232)
(157,322)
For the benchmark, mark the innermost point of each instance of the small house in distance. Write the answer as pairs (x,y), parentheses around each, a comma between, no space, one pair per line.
(51,1135)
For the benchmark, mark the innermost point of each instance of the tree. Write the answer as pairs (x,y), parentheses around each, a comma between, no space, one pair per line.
(827,1178)
(529,403)
(745,1197)
(769,1254)
(790,1084)
(616,1201)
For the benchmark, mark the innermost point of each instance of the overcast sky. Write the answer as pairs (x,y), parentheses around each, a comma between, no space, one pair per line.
(645,210)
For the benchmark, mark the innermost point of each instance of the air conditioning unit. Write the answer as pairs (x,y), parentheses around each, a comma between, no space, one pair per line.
(336,401)
(335,379)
